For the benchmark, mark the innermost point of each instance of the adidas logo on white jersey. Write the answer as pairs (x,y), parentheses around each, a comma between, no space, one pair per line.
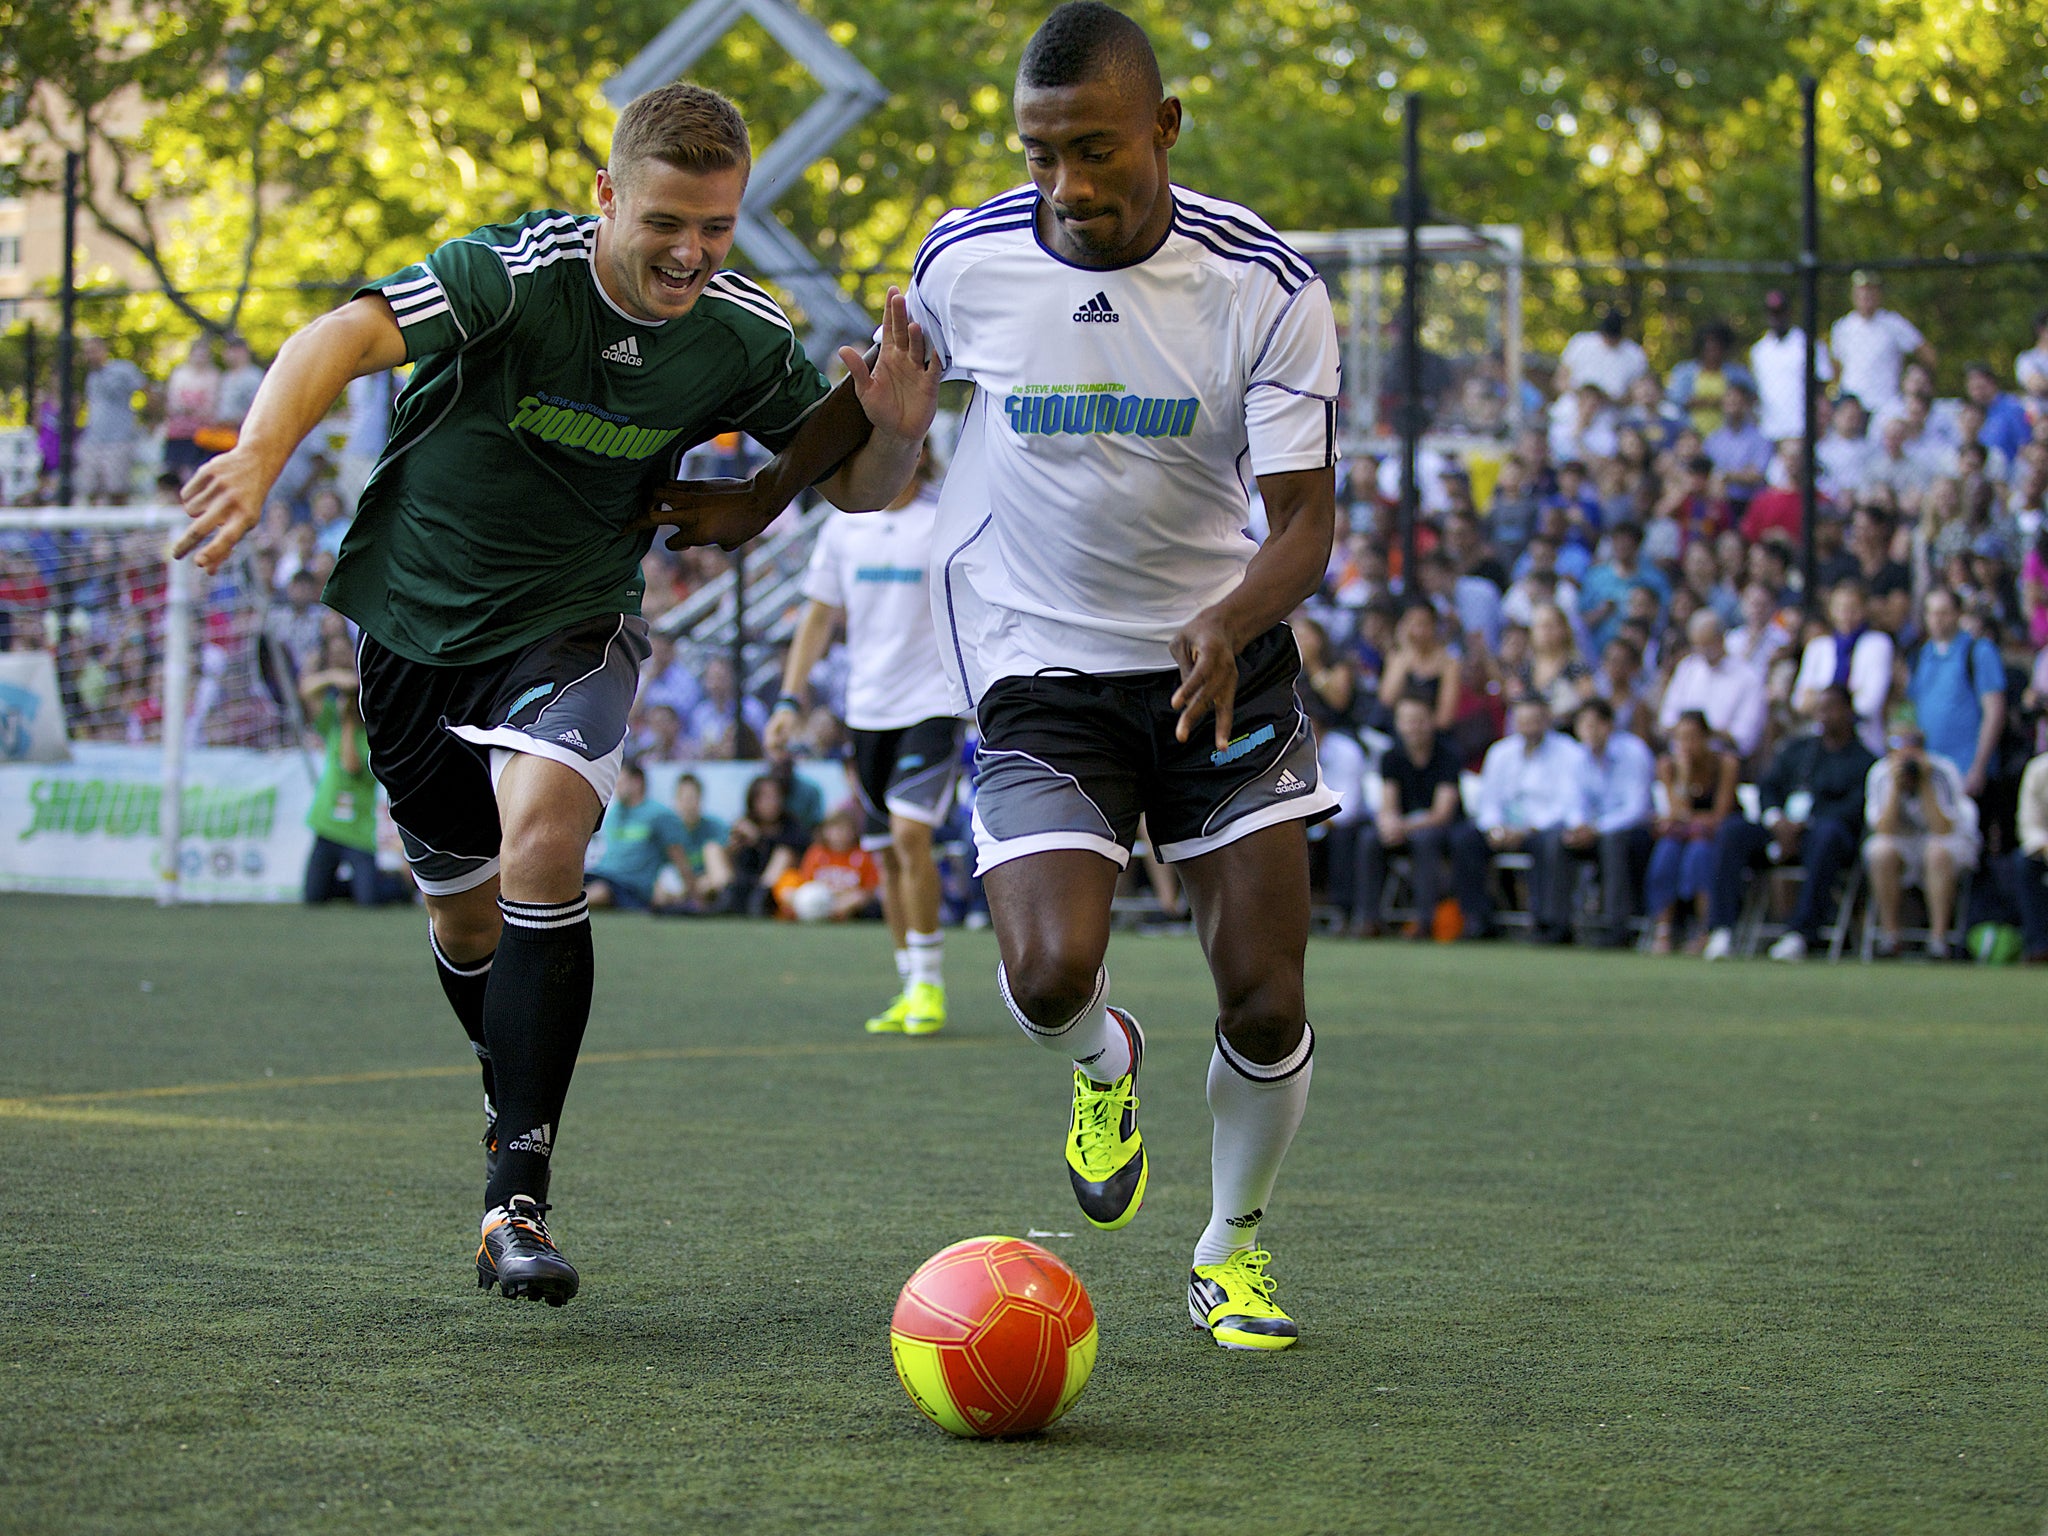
(1097,312)
(1287,783)
(627,351)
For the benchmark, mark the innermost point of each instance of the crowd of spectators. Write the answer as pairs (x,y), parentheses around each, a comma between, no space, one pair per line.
(1603,701)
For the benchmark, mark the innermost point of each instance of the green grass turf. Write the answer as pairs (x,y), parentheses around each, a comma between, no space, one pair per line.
(1578,1244)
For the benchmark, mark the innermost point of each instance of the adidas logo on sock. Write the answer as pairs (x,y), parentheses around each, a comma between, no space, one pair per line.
(1287,783)
(1097,312)
(540,1140)
(627,351)
(1242,1222)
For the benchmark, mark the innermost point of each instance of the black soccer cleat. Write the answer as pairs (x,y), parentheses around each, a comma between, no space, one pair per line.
(490,1140)
(520,1259)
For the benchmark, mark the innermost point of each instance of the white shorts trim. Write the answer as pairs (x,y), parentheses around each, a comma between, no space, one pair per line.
(488,870)
(923,815)
(1314,803)
(503,740)
(989,851)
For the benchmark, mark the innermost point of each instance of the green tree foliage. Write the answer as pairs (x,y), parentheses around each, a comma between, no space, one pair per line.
(1607,129)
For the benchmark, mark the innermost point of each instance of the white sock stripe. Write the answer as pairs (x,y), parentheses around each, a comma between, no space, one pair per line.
(542,908)
(519,914)
(476,968)
(1057,1030)
(532,925)
(926,940)
(1266,1073)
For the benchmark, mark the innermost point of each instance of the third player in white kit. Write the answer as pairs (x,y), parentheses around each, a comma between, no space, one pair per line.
(873,573)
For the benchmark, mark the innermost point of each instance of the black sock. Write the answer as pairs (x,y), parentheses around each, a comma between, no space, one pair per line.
(464,986)
(534,1014)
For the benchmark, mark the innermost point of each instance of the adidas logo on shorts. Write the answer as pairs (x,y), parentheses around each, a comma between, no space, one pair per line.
(627,351)
(1287,783)
(1097,312)
(573,739)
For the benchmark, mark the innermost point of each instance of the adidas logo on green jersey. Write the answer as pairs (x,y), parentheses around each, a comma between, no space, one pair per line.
(606,436)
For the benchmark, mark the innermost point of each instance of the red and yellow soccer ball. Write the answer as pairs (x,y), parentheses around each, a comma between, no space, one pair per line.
(993,1336)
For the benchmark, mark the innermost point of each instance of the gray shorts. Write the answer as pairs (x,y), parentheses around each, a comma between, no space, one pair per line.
(1070,760)
(441,735)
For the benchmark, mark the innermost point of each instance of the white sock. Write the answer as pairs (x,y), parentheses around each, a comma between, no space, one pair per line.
(903,966)
(924,960)
(1095,1042)
(1257,1107)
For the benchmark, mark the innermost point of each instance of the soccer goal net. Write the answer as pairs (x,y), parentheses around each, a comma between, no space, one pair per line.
(149,715)
(1471,298)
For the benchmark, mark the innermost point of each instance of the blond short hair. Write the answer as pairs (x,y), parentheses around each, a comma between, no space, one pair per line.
(687,126)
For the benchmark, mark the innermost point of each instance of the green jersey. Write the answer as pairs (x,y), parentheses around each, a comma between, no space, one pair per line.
(534,429)
(344,806)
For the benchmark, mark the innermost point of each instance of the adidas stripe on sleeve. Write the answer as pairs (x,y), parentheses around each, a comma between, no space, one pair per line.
(465,290)
(783,385)
(1290,405)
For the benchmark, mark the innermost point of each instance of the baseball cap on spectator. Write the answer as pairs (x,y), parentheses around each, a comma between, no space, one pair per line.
(1863,277)
(1990,546)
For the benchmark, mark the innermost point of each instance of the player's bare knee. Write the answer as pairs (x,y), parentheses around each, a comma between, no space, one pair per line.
(541,857)
(466,926)
(1053,983)
(1265,1024)
(910,841)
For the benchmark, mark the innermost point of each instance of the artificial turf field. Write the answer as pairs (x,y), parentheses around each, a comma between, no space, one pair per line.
(1578,1243)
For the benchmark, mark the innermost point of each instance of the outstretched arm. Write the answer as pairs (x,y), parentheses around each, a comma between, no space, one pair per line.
(859,446)
(225,499)
(807,647)
(1301,512)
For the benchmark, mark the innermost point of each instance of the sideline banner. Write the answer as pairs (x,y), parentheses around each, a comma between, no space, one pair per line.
(31,709)
(91,827)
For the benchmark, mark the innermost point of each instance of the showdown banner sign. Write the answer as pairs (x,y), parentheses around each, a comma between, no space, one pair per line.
(93,826)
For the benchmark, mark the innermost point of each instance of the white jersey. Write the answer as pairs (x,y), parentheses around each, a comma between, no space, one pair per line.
(1099,495)
(877,567)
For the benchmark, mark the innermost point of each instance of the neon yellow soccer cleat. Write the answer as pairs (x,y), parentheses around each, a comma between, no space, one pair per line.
(1234,1302)
(890,1020)
(924,1009)
(1105,1154)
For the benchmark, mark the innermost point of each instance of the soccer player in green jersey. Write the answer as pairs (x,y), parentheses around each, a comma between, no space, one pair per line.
(563,363)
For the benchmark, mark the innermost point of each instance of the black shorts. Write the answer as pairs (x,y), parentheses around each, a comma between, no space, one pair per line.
(436,735)
(909,772)
(1070,760)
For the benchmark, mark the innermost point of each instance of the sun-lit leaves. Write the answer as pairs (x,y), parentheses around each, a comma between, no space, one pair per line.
(1641,129)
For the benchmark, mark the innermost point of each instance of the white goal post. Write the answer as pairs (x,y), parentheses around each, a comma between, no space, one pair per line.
(83,584)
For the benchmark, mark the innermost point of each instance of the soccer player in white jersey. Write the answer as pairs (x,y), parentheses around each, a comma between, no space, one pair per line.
(872,573)
(1140,353)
